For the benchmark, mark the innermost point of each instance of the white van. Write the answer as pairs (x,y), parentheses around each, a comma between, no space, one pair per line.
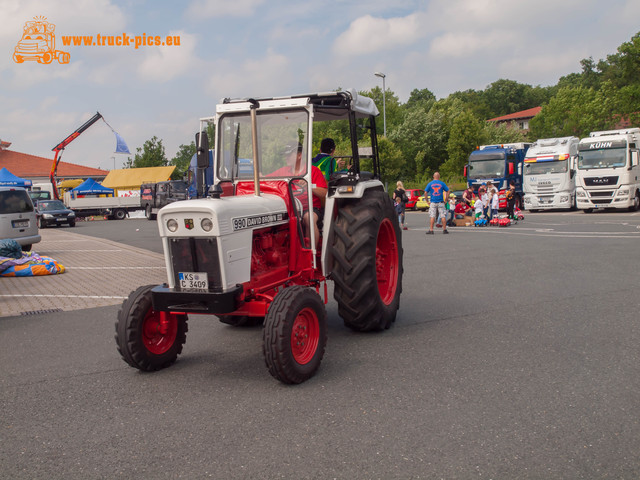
(18,217)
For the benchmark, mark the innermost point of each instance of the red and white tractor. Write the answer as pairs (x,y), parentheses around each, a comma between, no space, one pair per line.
(245,252)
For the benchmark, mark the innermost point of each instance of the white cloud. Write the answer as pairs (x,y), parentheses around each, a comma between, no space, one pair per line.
(164,63)
(255,77)
(369,34)
(201,9)
(467,44)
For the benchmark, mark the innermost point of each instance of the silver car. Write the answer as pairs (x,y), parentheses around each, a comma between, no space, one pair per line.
(18,217)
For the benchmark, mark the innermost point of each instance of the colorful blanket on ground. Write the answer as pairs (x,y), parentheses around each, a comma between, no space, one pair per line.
(29,265)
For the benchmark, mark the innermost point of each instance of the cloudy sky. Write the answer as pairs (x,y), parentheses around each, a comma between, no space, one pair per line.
(252,48)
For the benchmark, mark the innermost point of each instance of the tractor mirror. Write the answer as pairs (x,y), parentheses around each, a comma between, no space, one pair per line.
(202,149)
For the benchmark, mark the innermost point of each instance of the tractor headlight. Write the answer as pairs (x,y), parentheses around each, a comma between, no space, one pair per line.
(206,224)
(172,225)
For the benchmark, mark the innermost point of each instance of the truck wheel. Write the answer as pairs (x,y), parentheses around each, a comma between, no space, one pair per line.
(47,58)
(241,320)
(148,214)
(367,271)
(588,210)
(144,340)
(295,334)
(18,58)
(120,214)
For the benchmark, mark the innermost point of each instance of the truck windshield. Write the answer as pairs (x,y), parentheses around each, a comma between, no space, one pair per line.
(604,158)
(539,168)
(488,168)
(280,135)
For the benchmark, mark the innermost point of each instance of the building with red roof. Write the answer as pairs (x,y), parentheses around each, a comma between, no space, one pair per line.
(37,169)
(519,119)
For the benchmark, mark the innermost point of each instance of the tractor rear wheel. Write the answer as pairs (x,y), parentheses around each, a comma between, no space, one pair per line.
(145,339)
(367,271)
(295,334)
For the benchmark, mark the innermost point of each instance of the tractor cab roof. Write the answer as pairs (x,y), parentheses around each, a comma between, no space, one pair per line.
(327,105)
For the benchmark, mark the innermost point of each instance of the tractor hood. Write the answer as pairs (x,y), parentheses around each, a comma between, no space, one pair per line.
(225,215)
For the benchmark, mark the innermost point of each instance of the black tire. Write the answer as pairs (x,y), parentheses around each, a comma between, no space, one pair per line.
(120,214)
(241,320)
(148,214)
(588,210)
(26,248)
(367,271)
(72,223)
(138,337)
(297,314)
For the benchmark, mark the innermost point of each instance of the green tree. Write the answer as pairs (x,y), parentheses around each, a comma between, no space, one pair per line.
(573,111)
(419,97)
(394,113)
(150,155)
(467,132)
(182,160)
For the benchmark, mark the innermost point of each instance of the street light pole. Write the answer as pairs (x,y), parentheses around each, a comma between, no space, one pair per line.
(384,101)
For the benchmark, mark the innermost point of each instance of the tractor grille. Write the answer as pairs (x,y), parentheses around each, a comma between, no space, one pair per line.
(196,255)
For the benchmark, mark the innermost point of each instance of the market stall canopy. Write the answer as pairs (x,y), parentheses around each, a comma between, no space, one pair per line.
(132,178)
(91,187)
(8,179)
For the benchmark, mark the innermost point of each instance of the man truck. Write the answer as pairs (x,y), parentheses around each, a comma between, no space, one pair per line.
(608,171)
(549,179)
(498,164)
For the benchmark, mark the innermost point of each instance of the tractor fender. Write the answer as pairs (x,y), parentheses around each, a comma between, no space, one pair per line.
(330,211)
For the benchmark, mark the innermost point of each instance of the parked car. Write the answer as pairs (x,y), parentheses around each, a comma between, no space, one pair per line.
(412,194)
(422,204)
(18,217)
(54,212)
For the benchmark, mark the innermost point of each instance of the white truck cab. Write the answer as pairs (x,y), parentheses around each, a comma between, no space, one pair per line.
(608,170)
(549,174)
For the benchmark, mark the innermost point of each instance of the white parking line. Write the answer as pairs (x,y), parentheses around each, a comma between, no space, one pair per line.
(61,296)
(114,268)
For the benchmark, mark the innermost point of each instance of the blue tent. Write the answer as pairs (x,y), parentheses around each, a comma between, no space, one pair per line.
(91,187)
(8,179)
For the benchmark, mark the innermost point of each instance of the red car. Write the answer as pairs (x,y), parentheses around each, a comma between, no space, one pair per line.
(413,194)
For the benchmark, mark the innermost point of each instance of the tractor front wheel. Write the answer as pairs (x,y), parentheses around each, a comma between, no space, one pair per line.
(367,271)
(146,339)
(295,334)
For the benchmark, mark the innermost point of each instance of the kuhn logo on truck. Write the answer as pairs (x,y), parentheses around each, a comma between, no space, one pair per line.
(601,145)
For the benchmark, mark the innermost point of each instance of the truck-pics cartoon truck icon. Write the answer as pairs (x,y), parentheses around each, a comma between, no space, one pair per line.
(38,43)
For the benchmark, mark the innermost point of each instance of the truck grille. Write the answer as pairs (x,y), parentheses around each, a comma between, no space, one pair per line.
(599,181)
(196,255)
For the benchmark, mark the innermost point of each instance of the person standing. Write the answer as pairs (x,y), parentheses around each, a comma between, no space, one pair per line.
(511,200)
(400,193)
(325,161)
(439,194)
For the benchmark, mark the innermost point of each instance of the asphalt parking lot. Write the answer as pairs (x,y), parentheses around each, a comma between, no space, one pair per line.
(514,355)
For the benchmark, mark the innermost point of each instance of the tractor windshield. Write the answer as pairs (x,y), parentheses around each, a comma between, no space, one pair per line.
(282,144)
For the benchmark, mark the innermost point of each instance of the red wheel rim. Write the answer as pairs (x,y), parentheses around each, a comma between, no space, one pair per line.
(305,336)
(387,261)
(158,336)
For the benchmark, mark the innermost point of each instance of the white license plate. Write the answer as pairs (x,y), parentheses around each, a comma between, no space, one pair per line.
(601,206)
(20,223)
(193,281)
